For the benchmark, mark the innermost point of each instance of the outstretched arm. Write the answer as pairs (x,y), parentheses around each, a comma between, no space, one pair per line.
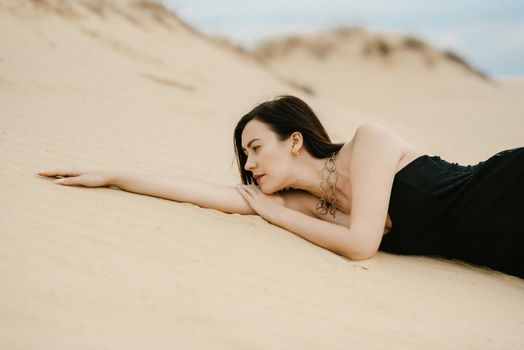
(202,193)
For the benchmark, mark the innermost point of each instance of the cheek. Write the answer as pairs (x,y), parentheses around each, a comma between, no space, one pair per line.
(273,164)
(273,181)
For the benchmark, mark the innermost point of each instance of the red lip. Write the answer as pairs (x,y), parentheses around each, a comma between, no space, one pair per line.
(257,177)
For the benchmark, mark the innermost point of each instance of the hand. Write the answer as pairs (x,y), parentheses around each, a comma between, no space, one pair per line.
(77,177)
(267,206)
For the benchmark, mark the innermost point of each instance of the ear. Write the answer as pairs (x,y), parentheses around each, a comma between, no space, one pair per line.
(296,140)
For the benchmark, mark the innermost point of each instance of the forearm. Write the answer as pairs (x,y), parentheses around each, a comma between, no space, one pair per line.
(202,193)
(333,237)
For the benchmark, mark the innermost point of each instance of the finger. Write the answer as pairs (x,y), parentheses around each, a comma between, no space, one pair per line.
(249,189)
(243,192)
(241,188)
(60,172)
(48,172)
(256,189)
(63,181)
(67,181)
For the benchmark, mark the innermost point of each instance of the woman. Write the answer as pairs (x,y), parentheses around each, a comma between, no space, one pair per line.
(375,192)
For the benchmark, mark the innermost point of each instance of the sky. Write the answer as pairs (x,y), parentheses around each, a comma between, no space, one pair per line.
(488,34)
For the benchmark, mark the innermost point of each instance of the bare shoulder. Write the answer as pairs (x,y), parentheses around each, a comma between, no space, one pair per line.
(306,202)
(381,132)
(407,150)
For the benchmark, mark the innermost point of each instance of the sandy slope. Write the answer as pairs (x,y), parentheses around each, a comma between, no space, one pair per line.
(132,88)
(425,95)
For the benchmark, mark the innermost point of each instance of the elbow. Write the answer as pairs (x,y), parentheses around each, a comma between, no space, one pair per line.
(360,246)
(358,255)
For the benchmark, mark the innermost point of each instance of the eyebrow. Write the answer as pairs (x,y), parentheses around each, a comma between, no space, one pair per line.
(249,144)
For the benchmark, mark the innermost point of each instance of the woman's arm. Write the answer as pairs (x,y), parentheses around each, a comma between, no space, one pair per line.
(298,219)
(202,193)
(336,238)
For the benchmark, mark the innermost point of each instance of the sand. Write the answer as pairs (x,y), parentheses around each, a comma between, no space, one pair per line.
(125,87)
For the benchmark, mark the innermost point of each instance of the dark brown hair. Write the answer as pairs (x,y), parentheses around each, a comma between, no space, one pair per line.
(284,115)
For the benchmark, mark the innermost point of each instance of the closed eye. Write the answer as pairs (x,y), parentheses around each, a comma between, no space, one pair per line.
(254,149)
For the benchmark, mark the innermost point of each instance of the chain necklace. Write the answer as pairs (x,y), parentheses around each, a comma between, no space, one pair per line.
(328,203)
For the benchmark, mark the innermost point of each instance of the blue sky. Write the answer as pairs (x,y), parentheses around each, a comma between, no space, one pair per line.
(488,34)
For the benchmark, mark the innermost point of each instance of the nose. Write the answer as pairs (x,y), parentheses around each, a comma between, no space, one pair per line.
(249,164)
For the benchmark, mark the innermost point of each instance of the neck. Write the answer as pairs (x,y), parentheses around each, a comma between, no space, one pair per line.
(306,174)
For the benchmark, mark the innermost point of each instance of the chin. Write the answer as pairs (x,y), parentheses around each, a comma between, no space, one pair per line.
(266,190)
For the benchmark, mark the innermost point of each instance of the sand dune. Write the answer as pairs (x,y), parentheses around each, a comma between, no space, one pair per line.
(127,86)
(419,91)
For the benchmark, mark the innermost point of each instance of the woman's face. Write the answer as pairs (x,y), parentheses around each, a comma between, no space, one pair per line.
(266,155)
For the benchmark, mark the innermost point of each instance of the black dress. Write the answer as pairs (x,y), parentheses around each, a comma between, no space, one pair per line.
(472,213)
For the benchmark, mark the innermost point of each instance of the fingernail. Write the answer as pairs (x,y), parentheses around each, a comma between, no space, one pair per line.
(59,181)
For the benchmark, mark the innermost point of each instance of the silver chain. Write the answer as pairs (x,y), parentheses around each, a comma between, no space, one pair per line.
(328,204)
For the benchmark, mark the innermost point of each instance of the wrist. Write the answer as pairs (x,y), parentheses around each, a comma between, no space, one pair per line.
(276,216)
(113,179)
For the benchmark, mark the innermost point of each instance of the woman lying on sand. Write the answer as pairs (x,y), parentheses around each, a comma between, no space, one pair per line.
(374,192)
